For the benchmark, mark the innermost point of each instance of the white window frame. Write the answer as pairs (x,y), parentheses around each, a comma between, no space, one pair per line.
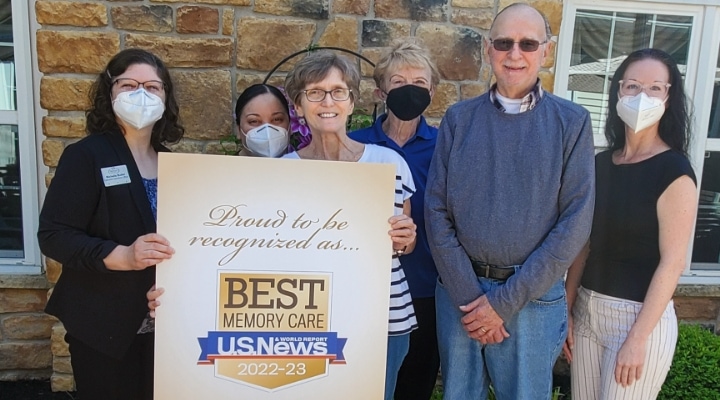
(23,117)
(705,34)
(704,94)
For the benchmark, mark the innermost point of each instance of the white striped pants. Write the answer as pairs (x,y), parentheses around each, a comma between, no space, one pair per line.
(601,325)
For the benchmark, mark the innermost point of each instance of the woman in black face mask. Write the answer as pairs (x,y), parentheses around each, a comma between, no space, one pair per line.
(406,78)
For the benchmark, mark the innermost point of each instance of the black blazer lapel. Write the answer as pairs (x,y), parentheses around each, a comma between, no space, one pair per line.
(137,189)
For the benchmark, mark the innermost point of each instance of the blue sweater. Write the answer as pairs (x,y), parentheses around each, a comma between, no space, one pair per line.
(510,189)
(419,266)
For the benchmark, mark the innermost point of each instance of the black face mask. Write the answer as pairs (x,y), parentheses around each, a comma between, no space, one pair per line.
(408,102)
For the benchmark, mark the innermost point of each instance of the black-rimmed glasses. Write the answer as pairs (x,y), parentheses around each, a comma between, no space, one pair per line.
(526,45)
(318,95)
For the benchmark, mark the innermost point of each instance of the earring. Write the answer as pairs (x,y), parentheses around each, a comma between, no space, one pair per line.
(301,120)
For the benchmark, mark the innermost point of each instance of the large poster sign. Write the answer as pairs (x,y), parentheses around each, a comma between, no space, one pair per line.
(279,286)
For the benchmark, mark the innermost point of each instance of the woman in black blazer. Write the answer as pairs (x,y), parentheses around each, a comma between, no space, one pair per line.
(98,220)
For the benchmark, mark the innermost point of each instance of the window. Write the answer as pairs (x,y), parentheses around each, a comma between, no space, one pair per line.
(706,248)
(714,125)
(596,37)
(602,39)
(18,170)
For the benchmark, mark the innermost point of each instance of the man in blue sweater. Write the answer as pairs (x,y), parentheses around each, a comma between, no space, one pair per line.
(508,206)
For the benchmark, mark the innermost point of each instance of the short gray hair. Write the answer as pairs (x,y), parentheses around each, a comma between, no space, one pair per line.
(315,67)
(408,52)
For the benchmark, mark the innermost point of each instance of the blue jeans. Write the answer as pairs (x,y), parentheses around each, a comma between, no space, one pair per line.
(397,348)
(520,367)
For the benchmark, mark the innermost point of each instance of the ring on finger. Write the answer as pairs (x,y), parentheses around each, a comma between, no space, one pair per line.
(483,330)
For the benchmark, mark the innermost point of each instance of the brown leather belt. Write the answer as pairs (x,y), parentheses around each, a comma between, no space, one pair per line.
(485,270)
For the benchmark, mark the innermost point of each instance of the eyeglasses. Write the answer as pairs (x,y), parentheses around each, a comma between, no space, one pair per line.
(318,95)
(526,45)
(632,87)
(129,85)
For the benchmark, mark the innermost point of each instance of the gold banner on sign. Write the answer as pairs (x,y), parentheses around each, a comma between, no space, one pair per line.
(272,329)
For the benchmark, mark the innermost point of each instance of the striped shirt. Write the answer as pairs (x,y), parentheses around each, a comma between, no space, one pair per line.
(402,315)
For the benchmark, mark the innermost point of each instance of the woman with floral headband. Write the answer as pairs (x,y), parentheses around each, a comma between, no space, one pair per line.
(262,120)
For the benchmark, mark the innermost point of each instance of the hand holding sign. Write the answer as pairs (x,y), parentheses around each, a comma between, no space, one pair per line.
(146,251)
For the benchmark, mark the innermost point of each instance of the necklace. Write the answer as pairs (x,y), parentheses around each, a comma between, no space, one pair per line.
(343,153)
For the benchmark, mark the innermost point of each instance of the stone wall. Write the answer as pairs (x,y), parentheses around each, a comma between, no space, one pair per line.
(216,48)
(24,328)
(699,304)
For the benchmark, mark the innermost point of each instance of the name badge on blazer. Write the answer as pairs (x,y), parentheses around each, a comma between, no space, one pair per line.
(117,175)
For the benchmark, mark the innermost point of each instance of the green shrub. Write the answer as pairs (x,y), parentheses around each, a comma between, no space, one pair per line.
(437,393)
(358,120)
(695,370)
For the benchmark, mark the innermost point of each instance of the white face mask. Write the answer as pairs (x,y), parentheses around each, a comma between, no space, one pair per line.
(138,108)
(267,140)
(640,111)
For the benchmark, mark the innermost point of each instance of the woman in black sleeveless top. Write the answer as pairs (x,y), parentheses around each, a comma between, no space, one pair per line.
(623,325)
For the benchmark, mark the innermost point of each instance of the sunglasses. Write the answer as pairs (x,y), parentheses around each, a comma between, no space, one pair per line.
(526,45)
